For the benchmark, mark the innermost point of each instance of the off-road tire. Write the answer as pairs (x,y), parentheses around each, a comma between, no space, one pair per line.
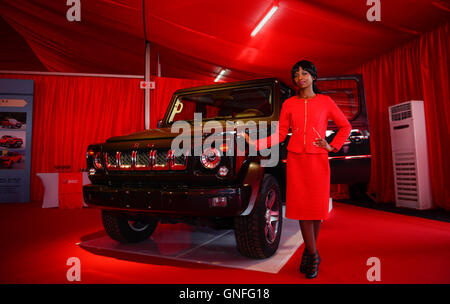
(119,228)
(250,231)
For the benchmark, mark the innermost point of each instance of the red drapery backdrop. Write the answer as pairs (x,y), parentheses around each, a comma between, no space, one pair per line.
(69,113)
(108,40)
(418,70)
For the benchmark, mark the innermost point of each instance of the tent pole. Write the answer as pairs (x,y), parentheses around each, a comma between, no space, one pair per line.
(147,91)
(159,67)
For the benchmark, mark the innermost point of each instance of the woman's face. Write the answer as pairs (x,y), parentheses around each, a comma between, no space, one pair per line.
(303,79)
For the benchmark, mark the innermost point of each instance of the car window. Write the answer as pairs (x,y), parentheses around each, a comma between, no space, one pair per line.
(223,104)
(344,93)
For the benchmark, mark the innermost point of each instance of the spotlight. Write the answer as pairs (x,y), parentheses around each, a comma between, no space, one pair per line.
(220,75)
(264,20)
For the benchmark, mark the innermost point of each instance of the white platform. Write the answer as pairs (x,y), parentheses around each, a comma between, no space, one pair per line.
(205,245)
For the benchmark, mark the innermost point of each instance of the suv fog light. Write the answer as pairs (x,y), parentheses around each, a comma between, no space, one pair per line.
(223,148)
(220,201)
(92,171)
(223,171)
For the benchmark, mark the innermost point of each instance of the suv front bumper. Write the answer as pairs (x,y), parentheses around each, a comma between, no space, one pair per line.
(189,202)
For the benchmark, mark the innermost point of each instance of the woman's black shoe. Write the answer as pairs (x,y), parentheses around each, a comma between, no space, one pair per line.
(304,262)
(312,268)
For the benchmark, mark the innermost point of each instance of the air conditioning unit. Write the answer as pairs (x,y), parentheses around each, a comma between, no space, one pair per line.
(410,155)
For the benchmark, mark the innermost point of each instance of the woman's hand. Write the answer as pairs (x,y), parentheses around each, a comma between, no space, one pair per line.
(322,143)
(248,140)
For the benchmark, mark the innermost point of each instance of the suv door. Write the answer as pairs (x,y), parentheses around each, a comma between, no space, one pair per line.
(350,165)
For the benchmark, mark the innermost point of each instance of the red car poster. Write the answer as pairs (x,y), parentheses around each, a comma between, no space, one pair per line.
(16,109)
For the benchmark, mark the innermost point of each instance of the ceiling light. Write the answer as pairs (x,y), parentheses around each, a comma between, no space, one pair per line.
(264,20)
(220,75)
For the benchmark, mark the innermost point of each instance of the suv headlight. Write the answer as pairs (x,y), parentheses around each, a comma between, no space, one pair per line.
(210,158)
(94,159)
(97,161)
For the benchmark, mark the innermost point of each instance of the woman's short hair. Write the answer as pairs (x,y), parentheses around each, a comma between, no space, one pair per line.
(310,68)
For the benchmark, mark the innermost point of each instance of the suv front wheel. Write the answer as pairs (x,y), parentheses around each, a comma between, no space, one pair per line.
(127,230)
(258,234)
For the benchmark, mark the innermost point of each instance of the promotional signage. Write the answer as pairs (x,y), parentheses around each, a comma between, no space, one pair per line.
(70,188)
(16,110)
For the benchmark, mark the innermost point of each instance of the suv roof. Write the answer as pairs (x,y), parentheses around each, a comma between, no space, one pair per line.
(230,84)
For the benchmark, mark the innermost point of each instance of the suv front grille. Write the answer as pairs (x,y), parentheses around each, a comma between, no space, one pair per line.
(160,160)
(144,160)
(125,160)
(111,161)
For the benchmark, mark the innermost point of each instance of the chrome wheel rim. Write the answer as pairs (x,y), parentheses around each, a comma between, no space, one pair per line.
(137,226)
(271,216)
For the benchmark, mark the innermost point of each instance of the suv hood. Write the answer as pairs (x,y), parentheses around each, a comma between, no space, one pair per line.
(163,133)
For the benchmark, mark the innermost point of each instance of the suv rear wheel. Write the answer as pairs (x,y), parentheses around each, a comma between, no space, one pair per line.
(258,234)
(127,230)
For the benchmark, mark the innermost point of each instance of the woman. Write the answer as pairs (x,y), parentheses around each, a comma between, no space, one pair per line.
(308,169)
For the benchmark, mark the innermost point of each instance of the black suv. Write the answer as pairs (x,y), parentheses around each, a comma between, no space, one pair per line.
(141,179)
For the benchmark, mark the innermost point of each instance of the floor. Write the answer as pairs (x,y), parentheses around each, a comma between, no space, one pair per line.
(38,243)
(202,245)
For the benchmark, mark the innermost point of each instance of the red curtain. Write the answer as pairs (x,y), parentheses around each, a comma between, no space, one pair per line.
(108,39)
(69,113)
(417,71)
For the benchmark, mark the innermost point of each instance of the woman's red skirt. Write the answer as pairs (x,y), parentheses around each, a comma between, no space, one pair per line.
(307,186)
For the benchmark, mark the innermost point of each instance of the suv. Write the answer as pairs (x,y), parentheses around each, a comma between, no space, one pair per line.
(11,141)
(138,180)
(11,123)
(7,159)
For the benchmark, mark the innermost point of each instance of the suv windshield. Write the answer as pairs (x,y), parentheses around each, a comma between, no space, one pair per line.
(223,104)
